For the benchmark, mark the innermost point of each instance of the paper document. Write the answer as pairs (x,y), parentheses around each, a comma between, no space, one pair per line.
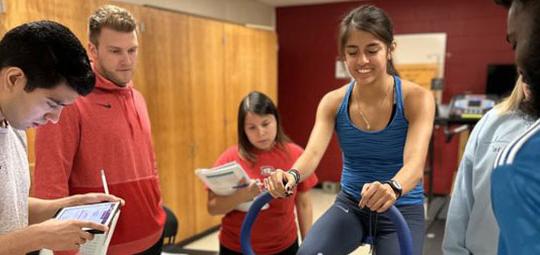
(100,243)
(224,180)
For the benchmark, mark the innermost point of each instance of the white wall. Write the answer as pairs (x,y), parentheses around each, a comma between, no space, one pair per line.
(238,11)
(423,48)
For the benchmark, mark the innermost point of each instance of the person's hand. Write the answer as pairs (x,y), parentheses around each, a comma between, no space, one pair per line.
(92,198)
(377,196)
(249,192)
(65,234)
(280,184)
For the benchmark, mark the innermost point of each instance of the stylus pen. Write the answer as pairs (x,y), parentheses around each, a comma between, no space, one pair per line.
(104,181)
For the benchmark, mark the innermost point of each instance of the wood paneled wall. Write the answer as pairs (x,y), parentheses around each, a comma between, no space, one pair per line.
(193,73)
(208,87)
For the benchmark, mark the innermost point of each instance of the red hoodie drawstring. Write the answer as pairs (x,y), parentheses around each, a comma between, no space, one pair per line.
(136,108)
(124,97)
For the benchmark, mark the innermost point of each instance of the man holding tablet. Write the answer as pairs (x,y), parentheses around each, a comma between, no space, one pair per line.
(43,67)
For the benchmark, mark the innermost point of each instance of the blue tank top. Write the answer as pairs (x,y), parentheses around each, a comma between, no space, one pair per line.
(370,156)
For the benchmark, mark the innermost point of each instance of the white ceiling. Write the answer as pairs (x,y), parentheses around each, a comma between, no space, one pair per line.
(280,3)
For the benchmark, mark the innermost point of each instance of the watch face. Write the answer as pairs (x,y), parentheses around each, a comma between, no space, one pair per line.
(398,186)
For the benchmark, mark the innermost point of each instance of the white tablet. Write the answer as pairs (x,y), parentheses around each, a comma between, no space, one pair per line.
(101,213)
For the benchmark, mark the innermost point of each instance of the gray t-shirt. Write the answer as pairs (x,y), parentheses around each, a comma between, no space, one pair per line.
(14,180)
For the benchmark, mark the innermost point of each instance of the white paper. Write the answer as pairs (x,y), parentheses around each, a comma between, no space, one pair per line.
(100,244)
(223,180)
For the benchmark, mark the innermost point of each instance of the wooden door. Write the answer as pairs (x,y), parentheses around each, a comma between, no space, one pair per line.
(251,64)
(164,62)
(206,58)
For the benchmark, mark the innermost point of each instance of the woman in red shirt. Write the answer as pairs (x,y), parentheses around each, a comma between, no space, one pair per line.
(262,148)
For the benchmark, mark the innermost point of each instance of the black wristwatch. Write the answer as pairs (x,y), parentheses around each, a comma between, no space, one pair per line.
(395,186)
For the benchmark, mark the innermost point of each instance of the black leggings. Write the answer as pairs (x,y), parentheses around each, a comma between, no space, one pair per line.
(345,226)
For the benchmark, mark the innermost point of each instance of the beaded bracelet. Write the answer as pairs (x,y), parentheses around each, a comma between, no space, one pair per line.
(296,175)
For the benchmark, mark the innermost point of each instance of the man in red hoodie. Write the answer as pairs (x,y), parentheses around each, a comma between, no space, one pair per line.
(110,130)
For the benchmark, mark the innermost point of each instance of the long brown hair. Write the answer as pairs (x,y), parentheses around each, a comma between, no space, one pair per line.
(260,104)
(372,20)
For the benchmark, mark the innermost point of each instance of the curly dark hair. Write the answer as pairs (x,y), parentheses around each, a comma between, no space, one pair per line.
(530,64)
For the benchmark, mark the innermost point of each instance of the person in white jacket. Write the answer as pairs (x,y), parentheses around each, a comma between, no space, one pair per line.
(471,227)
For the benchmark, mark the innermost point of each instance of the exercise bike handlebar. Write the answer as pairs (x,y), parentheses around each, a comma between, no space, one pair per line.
(402,229)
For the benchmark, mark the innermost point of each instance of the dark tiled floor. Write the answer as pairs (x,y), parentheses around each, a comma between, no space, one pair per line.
(434,236)
(435,222)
